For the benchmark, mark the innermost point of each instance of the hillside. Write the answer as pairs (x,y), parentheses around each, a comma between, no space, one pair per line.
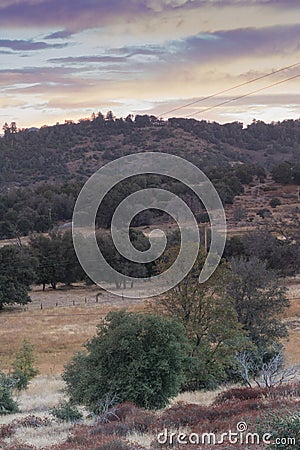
(73,151)
(41,174)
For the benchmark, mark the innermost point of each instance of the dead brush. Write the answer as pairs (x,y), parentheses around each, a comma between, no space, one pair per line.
(240,394)
(85,438)
(181,415)
(107,409)
(6,431)
(125,418)
(246,393)
(32,422)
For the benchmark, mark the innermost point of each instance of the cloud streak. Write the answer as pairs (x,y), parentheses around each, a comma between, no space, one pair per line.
(89,59)
(237,43)
(29,45)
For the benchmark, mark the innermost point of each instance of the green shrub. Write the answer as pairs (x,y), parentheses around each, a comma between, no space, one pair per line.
(286,429)
(23,366)
(264,213)
(7,404)
(136,357)
(275,201)
(66,412)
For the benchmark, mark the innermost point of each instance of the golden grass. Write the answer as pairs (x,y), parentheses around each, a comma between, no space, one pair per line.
(204,398)
(143,439)
(56,332)
(292,347)
(41,437)
(292,319)
(44,392)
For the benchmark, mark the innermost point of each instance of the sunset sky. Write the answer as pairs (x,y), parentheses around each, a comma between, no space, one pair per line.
(64,59)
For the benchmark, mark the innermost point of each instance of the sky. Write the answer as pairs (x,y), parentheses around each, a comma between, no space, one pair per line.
(65,59)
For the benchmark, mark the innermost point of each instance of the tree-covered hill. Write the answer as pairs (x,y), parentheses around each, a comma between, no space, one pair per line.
(73,151)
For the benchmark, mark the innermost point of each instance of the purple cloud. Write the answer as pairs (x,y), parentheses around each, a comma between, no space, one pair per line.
(192,4)
(29,45)
(233,44)
(76,15)
(71,15)
(62,34)
(217,46)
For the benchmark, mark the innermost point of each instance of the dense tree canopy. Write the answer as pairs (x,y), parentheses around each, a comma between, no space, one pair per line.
(17,273)
(210,321)
(259,300)
(57,260)
(135,357)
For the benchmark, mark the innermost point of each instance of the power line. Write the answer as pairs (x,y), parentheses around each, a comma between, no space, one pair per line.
(229,89)
(246,95)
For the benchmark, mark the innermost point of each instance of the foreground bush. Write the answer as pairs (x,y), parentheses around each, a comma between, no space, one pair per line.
(66,412)
(285,428)
(134,357)
(7,403)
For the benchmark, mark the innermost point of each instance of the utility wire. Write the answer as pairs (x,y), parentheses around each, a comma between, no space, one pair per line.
(229,89)
(246,95)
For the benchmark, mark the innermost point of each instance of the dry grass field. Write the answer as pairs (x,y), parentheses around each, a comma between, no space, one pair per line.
(69,318)
(46,391)
(56,332)
(43,393)
(292,318)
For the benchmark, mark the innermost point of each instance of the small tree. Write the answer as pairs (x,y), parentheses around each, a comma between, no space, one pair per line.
(23,366)
(264,213)
(259,300)
(7,404)
(275,201)
(209,318)
(136,357)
